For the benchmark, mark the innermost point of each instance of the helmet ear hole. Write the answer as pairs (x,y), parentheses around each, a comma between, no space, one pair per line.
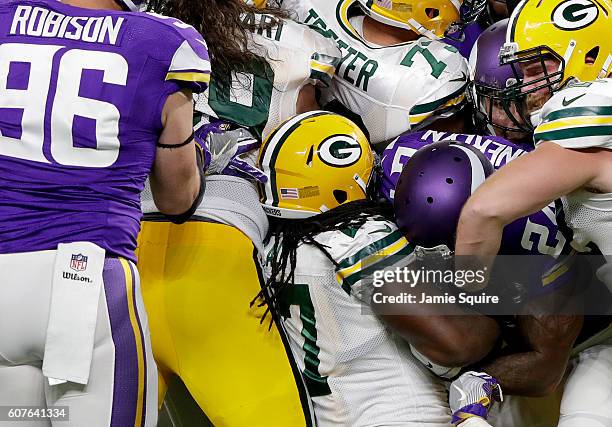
(340,196)
(431,12)
(591,56)
(310,156)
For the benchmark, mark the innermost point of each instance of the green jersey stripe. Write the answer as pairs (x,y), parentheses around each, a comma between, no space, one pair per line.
(578,112)
(570,133)
(349,281)
(433,105)
(372,248)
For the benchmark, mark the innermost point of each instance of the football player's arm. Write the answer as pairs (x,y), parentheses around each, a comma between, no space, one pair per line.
(539,371)
(520,188)
(447,335)
(175,178)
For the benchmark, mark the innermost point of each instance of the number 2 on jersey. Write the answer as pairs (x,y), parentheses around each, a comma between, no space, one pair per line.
(48,101)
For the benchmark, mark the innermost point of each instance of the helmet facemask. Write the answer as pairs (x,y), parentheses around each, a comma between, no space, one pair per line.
(485,98)
(532,93)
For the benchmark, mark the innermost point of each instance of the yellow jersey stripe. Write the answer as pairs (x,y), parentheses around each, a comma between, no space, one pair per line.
(391,249)
(129,289)
(559,270)
(189,77)
(574,122)
(418,118)
(323,68)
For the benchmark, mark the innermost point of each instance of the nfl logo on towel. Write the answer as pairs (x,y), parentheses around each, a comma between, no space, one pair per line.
(78,262)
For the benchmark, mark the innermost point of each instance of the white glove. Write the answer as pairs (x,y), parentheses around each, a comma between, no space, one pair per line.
(472,395)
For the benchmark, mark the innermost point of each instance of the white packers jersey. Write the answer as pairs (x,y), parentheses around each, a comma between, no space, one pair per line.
(356,371)
(393,88)
(580,116)
(262,99)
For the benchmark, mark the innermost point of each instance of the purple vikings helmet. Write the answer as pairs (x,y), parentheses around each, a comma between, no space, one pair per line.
(495,85)
(133,5)
(432,189)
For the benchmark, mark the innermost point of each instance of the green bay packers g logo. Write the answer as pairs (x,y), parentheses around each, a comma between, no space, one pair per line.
(574,14)
(339,150)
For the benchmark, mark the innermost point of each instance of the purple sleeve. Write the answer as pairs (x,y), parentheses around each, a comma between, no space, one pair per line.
(464,39)
(188,61)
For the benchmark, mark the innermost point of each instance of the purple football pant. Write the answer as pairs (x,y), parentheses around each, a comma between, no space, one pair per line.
(122,387)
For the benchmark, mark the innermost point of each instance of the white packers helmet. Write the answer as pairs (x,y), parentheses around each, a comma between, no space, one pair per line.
(430,18)
(315,162)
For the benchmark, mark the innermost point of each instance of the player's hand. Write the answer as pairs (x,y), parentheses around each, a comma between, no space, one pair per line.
(221,147)
(472,395)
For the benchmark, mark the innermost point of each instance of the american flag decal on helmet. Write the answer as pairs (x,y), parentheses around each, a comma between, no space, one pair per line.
(384,3)
(289,193)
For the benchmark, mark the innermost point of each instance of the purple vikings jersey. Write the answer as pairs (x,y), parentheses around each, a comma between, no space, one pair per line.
(536,234)
(81,96)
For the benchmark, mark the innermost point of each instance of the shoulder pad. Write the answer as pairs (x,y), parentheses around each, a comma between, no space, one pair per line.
(359,252)
(323,53)
(189,64)
(450,70)
(579,116)
(325,58)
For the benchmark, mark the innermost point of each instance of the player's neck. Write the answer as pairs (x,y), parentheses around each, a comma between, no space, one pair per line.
(94,4)
(385,35)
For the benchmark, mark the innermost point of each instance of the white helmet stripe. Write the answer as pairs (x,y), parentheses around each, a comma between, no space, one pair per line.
(271,145)
(478,172)
(130,4)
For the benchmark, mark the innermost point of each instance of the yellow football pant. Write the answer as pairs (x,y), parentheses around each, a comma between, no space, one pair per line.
(197,281)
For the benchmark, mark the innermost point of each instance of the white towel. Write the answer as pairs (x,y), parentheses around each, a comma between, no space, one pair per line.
(77,281)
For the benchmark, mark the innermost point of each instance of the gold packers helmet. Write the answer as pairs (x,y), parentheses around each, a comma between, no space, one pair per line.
(315,162)
(430,18)
(577,33)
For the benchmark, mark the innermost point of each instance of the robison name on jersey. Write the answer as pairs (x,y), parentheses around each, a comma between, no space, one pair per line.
(81,96)
(357,373)
(263,98)
(393,88)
